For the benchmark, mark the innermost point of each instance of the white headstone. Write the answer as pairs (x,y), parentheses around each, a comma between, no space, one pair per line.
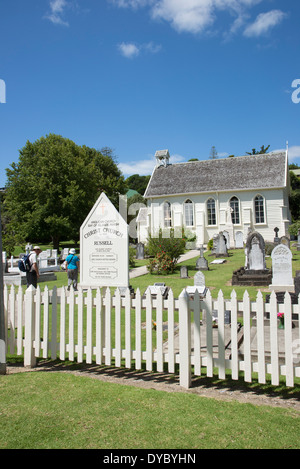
(104,247)
(282,276)
(43,262)
(239,240)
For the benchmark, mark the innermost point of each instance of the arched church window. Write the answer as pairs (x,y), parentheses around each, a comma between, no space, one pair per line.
(167,215)
(235,210)
(259,209)
(211,212)
(188,213)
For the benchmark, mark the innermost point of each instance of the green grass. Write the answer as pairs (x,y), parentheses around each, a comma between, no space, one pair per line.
(56,410)
(59,410)
(217,278)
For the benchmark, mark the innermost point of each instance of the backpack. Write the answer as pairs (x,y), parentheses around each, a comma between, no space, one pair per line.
(23,264)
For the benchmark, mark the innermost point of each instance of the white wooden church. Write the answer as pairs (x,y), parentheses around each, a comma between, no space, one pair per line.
(229,194)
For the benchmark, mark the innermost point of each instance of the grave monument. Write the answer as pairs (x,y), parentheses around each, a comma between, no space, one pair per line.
(282,276)
(202,263)
(255,272)
(220,245)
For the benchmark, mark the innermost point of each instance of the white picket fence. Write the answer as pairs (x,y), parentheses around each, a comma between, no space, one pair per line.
(124,331)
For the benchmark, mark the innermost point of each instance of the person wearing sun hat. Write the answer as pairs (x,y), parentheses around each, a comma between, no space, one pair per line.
(72,268)
(33,274)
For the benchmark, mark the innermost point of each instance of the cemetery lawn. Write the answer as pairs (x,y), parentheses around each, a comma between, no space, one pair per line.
(217,278)
(55,410)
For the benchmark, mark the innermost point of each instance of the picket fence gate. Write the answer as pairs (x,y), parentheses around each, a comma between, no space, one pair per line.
(89,326)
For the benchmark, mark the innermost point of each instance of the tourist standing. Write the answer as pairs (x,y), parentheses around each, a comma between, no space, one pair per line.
(72,267)
(33,274)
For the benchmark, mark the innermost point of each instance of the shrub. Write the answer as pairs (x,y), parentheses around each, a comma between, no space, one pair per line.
(165,249)
(210,244)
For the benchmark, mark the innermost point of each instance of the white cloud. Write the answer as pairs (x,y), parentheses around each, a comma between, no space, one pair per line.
(131,50)
(57,9)
(198,16)
(130,3)
(142,167)
(264,23)
(145,167)
(293,153)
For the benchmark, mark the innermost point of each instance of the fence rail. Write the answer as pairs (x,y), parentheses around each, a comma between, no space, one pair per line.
(120,331)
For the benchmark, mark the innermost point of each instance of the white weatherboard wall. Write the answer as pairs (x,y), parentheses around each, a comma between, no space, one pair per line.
(104,247)
(275,210)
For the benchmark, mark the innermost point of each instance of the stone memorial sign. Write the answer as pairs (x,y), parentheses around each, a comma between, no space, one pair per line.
(282,277)
(104,245)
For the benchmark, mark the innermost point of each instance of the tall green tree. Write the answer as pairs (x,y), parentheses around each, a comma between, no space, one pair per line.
(294,198)
(53,186)
(138,183)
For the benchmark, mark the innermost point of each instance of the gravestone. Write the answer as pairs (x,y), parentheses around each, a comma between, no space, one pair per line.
(285,240)
(202,263)
(276,239)
(184,271)
(140,251)
(255,272)
(43,260)
(239,242)
(221,248)
(64,253)
(104,244)
(282,277)
(199,285)
(256,252)
(158,286)
(199,279)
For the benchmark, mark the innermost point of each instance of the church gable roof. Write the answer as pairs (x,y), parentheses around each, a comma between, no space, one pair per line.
(227,174)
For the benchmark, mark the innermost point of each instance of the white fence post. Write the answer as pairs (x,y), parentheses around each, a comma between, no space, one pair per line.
(184,340)
(29,355)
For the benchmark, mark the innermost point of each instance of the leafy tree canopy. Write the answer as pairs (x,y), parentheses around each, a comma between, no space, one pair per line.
(53,186)
(262,151)
(138,183)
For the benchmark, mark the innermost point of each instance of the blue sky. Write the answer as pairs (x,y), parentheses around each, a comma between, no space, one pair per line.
(146,75)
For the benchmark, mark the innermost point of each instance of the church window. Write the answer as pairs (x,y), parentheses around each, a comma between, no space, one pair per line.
(235,210)
(188,213)
(211,212)
(167,214)
(259,209)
